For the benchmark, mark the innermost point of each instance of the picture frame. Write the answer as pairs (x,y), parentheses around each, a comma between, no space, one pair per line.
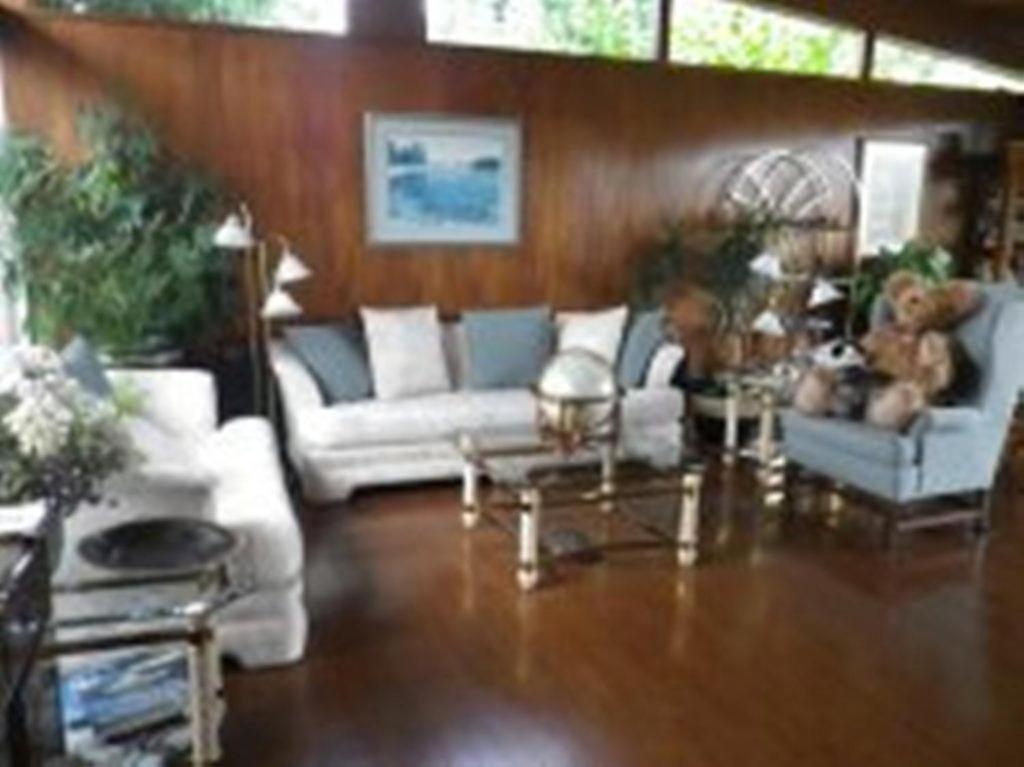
(442,180)
(892,192)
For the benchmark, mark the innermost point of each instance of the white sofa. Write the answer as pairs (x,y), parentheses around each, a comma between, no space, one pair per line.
(229,474)
(340,448)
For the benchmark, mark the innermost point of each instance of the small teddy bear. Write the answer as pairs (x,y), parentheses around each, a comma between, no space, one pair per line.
(908,364)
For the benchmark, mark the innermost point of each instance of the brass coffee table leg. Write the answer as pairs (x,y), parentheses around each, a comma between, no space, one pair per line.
(689,518)
(608,477)
(528,572)
(470,494)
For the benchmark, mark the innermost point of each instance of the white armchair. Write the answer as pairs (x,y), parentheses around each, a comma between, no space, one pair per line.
(230,475)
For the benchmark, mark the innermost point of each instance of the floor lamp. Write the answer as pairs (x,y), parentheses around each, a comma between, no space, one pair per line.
(265,299)
(278,304)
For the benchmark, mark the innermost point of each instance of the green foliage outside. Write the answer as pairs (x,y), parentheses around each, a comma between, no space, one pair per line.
(118,246)
(731,34)
(192,10)
(616,28)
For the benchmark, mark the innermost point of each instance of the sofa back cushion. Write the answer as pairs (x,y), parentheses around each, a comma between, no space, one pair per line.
(599,332)
(645,334)
(506,348)
(406,351)
(335,356)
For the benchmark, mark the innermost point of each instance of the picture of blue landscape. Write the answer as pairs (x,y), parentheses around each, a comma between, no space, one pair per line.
(435,179)
(444,181)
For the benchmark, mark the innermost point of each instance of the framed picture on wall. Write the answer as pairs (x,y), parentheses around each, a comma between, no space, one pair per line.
(892,189)
(442,180)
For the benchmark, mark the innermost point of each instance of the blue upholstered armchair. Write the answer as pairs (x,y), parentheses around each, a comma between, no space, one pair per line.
(949,452)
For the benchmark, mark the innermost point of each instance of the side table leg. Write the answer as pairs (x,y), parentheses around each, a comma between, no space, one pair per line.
(732,426)
(470,494)
(528,573)
(766,431)
(206,693)
(689,518)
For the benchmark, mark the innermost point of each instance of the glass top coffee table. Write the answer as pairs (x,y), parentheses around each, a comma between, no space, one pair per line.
(520,483)
(147,586)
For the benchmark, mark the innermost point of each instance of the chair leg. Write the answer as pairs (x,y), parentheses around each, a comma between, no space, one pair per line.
(984,522)
(891,526)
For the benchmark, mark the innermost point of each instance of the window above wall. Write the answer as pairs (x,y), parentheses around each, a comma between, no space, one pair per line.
(625,29)
(911,64)
(741,35)
(327,16)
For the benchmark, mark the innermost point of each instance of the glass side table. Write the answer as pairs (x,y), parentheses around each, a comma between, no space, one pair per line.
(148,584)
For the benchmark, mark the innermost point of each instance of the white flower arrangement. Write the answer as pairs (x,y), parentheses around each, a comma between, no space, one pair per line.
(58,443)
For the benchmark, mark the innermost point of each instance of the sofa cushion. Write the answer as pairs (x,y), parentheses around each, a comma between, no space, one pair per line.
(406,352)
(335,356)
(83,365)
(599,332)
(645,334)
(506,348)
(421,419)
(445,416)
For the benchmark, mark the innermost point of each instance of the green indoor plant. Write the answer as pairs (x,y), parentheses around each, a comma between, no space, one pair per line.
(116,246)
(929,261)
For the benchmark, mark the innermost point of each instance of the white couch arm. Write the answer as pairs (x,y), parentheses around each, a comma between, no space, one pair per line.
(249,496)
(178,400)
(300,395)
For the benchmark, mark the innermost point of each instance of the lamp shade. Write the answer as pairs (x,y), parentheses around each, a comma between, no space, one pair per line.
(290,269)
(280,306)
(235,232)
(823,292)
(768,323)
(767,265)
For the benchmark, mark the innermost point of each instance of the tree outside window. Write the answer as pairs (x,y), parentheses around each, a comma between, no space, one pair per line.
(614,28)
(901,62)
(308,15)
(738,35)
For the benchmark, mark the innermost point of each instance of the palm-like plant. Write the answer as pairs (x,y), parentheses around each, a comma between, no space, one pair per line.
(117,247)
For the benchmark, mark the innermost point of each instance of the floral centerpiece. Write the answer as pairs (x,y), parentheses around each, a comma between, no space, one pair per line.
(58,443)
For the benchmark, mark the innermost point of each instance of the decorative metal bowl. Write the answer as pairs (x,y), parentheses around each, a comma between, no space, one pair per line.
(577,400)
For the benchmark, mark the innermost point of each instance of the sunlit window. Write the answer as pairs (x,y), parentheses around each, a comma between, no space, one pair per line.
(744,36)
(615,28)
(901,62)
(328,16)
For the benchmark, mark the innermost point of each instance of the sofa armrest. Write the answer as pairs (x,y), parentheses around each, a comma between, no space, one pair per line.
(663,365)
(250,497)
(183,401)
(948,419)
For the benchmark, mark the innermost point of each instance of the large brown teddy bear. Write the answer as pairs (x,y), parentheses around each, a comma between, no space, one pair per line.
(907,364)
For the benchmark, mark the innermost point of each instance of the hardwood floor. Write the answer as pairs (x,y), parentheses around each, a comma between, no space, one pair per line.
(792,643)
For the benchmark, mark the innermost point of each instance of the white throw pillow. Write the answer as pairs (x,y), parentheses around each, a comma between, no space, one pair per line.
(599,332)
(663,366)
(406,351)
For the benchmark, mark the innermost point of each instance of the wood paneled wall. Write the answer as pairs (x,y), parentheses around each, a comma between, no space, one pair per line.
(612,150)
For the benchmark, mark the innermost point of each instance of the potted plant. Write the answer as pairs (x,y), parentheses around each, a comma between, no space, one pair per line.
(58,444)
(116,246)
(929,261)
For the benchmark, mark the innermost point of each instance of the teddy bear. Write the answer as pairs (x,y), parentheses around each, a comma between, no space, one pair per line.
(902,366)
